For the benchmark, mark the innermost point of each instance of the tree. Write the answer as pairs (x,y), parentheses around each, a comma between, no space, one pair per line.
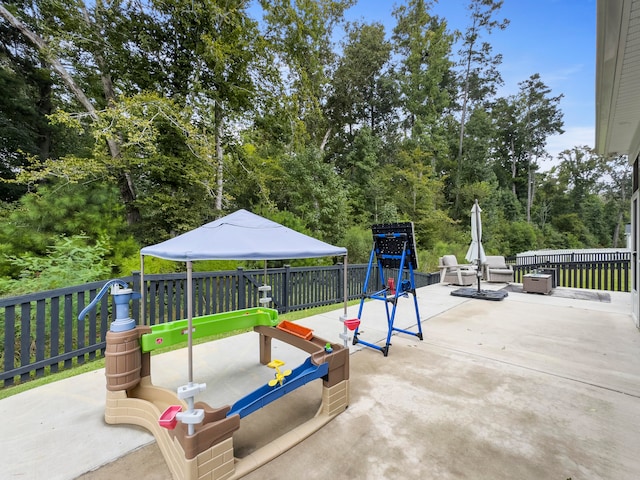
(416,193)
(300,34)
(596,190)
(359,97)
(223,41)
(25,101)
(207,66)
(361,108)
(77,15)
(424,72)
(310,189)
(476,172)
(579,173)
(360,167)
(88,212)
(617,192)
(69,261)
(524,122)
(479,76)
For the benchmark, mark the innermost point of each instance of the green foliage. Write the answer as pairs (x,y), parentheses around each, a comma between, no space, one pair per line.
(153,265)
(136,147)
(478,79)
(360,94)
(387,213)
(294,222)
(90,210)
(552,238)
(300,35)
(469,192)
(310,189)
(69,261)
(424,45)
(512,238)
(358,242)
(523,123)
(573,227)
(429,257)
(358,169)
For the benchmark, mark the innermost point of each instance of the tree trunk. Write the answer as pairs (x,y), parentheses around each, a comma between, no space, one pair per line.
(463,119)
(45,108)
(531,175)
(325,139)
(616,232)
(54,62)
(125,183)
(219,156)
(514,170)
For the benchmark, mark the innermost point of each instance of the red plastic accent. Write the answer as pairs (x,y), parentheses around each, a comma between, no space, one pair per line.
(168,418)
(352,324)
(392,286)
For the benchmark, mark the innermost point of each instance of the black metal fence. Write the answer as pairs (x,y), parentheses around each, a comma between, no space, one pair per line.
(577,256)
(40,332)
(591,270)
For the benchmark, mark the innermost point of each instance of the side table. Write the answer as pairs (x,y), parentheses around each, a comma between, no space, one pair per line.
(536,283)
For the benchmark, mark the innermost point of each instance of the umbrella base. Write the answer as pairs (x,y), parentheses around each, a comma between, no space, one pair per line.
(495,295)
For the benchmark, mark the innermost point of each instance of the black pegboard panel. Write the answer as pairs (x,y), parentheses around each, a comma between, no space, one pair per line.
(389,242)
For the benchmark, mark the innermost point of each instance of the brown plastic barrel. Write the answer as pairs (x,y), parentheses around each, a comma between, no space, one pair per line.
(123,360)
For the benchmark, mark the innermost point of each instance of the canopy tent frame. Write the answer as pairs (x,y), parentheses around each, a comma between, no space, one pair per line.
(241,235)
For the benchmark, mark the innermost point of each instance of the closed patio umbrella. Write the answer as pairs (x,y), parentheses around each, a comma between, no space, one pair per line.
(476,250)
(476,254)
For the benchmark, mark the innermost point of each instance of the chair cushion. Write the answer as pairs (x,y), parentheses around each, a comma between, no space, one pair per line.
(496,261)
(449,260)
(466,272)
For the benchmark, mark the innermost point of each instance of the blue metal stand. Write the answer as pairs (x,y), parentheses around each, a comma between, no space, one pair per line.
(391,249)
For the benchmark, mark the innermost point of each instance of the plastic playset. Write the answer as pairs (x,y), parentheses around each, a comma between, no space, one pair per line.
(195,439)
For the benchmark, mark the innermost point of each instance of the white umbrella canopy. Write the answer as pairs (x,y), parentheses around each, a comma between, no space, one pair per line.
(476,251)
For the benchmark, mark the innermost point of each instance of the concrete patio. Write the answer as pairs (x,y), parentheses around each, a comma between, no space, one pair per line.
(529,387)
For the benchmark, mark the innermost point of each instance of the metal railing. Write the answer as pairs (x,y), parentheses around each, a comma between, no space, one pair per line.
(572,256)
(40,332)
(605,269)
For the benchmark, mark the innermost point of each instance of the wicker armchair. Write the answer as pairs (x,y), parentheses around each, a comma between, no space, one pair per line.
(496,270)
(454,273)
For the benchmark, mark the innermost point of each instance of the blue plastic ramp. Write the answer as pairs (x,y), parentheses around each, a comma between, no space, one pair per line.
(263,396)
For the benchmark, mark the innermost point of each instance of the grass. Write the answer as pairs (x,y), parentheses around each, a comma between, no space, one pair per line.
(99,363)
(607,279)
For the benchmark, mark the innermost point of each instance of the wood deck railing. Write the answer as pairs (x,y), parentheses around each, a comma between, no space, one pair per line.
(40,332)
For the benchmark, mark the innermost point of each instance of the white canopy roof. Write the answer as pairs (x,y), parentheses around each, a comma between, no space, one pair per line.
(242,235)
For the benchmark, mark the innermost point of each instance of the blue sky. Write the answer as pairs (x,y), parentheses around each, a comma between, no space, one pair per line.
(555,38)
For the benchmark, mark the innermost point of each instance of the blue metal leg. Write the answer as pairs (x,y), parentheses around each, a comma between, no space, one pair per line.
(401,290)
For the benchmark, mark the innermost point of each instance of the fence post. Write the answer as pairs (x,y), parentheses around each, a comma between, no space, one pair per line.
(285,289)
(242,298)
(340,282)
(135,307)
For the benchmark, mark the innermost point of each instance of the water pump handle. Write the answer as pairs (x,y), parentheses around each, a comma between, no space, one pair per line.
(117,284)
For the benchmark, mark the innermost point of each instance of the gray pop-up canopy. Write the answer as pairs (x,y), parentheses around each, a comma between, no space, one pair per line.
(241,235)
